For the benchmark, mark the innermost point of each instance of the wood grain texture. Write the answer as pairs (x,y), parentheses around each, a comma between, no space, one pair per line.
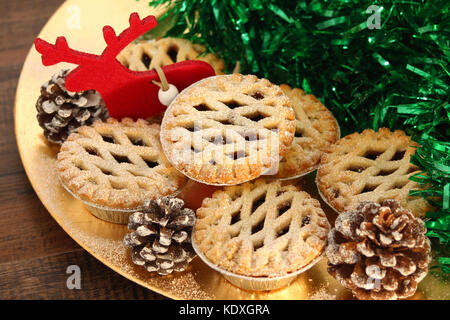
(46,277)
(34,251)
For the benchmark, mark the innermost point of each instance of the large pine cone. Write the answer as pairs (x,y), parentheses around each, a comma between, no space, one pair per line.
(61,112)
(379,251)
(161,241)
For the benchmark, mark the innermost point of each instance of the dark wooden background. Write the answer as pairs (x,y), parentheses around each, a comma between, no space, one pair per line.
(34,251)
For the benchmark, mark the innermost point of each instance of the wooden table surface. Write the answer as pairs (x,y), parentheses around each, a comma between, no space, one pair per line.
(34,251)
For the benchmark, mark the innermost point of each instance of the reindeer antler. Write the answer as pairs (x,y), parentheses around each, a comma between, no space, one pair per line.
(117,43)
(60,52)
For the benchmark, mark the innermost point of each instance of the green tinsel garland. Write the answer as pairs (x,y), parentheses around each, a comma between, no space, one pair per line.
(395,76)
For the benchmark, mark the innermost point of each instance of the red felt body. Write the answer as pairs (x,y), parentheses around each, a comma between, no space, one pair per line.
(126,93)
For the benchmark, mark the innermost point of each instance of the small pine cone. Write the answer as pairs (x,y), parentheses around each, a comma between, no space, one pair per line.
(161,241)
(61,112)
(379,251)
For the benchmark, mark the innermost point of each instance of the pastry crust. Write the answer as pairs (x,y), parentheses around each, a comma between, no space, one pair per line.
(261,229)
(370,166)
(145,55)
(316,130)
(228,129)
(117,164)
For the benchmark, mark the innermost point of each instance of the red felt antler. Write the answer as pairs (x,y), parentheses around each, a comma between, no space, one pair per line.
(126,93)
(117,43)
(60,52)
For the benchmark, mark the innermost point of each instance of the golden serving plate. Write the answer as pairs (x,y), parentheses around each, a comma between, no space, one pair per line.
(81,22)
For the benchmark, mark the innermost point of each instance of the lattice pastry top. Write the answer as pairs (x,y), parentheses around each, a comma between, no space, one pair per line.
(117,164)
(371,166)
(145,55)
(316,130)
(261,229)
(228,129)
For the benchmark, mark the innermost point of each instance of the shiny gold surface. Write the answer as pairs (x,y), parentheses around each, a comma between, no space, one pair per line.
(104,240)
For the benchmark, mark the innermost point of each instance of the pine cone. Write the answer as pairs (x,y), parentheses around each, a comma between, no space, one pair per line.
(61,112)
(378,251)
(161,241)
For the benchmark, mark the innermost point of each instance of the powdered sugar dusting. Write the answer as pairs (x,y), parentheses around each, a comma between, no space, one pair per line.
(182,285)
(322,294)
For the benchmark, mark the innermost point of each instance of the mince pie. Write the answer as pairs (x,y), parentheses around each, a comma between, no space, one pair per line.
(117,165)
(316,130)
(145,55)
(370,166)
(261,229)
(228,129)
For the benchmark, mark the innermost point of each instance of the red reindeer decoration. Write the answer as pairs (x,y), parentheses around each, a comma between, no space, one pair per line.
(126,93)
